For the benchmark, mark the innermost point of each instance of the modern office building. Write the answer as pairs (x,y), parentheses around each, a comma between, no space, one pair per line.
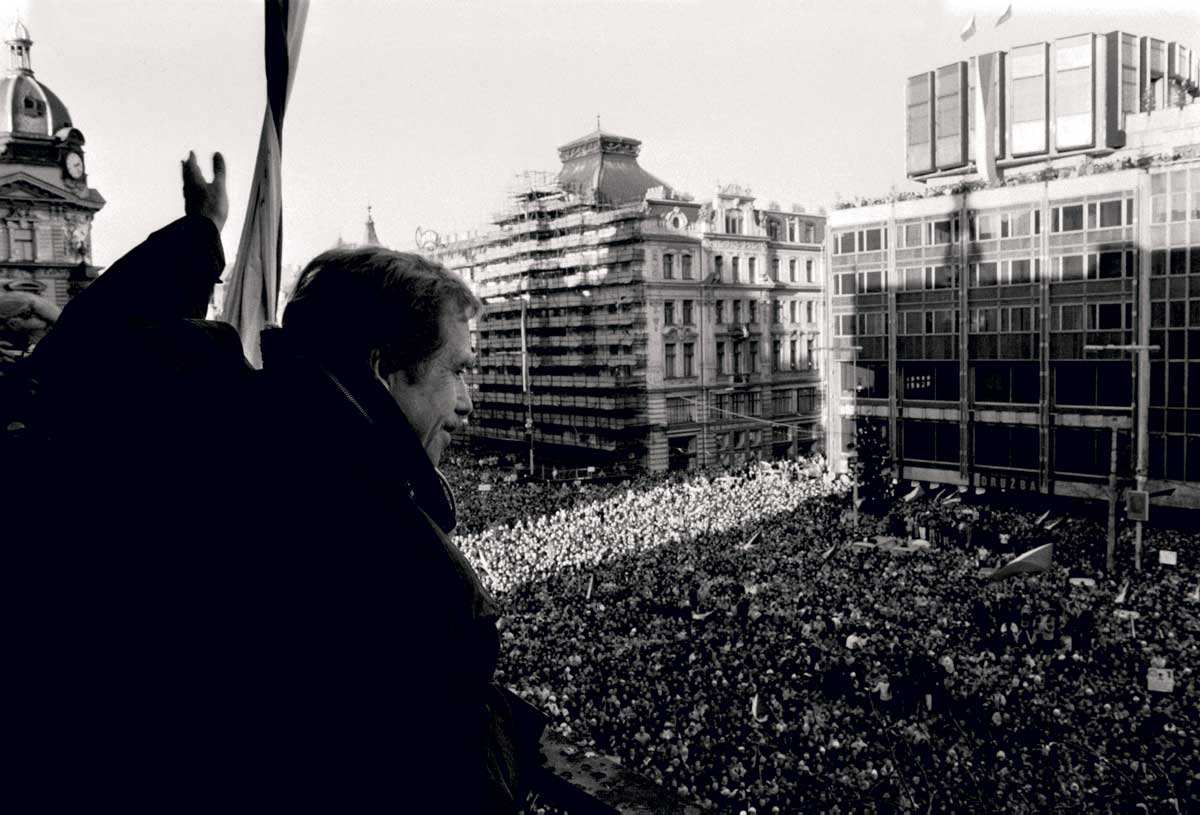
(1043,293)
(47,206)
(626,323)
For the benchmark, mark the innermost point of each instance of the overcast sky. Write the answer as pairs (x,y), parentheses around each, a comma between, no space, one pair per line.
(428,110)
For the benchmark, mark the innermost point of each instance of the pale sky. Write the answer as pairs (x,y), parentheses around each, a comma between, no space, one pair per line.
(428,109)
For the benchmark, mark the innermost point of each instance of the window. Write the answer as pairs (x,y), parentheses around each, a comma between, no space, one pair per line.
(984,274)
(777,312)
(791,230)
(919,130)
(912,235)
(1071,267)
(943,277)
(772,229)
(689,356)
(1104,316)
(792,270)
(1015,224)
(1028,103)
(792,310)
(845,325)
(735,270)
(737,312)
(808,312)
(668,312)
(753,367)
(1020,271)
(20,244)
(985,228)
(750,264)
(1110,265)
(843,243)
(719,308)
(808,264)
(738,352)
(1066,219)
(810,353)
(668,266)
(792,354)
(722,368)
(775,269)
(776,354)
(872,240)
(733,221)
(1110,213)
(679,411)
(1073,92)
(718,267)
(810,233)
(685,261)
(688,307)
(942,232)
(755,403)
(752,307)
(669,360)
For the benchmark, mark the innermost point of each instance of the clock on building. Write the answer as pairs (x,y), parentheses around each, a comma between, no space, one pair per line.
(74,165)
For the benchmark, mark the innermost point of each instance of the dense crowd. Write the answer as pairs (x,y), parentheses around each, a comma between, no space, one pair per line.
(705,632)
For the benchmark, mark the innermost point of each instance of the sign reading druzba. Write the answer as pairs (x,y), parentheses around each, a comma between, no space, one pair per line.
(1007,481)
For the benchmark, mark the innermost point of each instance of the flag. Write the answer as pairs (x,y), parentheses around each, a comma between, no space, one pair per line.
(968,30)
(1121,595)
(1038,521)
(1035,560)
(752,539)
(252,287)
(914,494)
(1005,17)
(828,553)
(745,332)
(754,710)
(1194,596)
(1050,526)
(591,583)
(696,615)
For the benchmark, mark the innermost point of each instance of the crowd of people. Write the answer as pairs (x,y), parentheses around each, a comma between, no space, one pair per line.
(720,634)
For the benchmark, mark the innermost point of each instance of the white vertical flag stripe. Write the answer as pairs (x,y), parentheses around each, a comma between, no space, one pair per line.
(968,30)
(252,287)
(1004,18)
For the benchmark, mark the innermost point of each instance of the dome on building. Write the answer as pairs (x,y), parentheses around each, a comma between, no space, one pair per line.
(26,105)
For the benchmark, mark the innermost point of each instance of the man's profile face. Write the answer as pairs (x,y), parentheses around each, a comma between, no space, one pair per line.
(438,403)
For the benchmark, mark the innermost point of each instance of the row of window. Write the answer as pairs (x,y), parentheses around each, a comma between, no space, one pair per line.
(776,314)
(794,228)
(1169,196)
(741,356)
(1009,319)
(1076,383)
(986,226)
(735,270)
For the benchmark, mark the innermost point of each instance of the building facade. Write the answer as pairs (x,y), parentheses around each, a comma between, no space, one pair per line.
(627,324)
(1020,333)
(45,201)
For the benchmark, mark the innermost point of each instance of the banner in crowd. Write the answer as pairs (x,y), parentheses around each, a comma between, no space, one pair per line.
(1168,558)
(1160,680)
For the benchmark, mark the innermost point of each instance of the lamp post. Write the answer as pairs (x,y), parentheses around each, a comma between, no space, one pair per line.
(524,297)
(1139,421)
(853,452)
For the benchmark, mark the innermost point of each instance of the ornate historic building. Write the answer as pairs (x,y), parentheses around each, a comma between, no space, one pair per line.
(46,204)
(626,323)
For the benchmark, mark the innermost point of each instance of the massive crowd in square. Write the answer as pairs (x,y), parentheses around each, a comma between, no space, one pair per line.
(721,634)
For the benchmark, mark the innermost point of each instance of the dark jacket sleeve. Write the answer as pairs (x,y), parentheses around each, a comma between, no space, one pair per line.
(168,276)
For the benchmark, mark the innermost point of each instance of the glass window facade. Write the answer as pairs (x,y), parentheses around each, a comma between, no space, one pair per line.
(920,123)
(1029,102)
(1074,92)
(950,123)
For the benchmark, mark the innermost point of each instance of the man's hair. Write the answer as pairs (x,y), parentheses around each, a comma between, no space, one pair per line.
(351,303)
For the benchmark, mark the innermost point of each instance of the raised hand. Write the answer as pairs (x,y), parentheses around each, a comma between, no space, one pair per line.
(205,198)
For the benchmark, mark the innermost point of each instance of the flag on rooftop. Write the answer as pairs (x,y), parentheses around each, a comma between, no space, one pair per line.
(252,286)
(1005,17)
(1033,561)
(968,30)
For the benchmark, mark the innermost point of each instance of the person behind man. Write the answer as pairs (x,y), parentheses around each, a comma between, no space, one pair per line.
(260,600)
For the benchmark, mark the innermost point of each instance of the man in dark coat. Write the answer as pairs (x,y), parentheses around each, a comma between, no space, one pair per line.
(256,598)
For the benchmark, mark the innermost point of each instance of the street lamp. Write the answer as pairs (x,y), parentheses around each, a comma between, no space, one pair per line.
(853,451)
(1139,420)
